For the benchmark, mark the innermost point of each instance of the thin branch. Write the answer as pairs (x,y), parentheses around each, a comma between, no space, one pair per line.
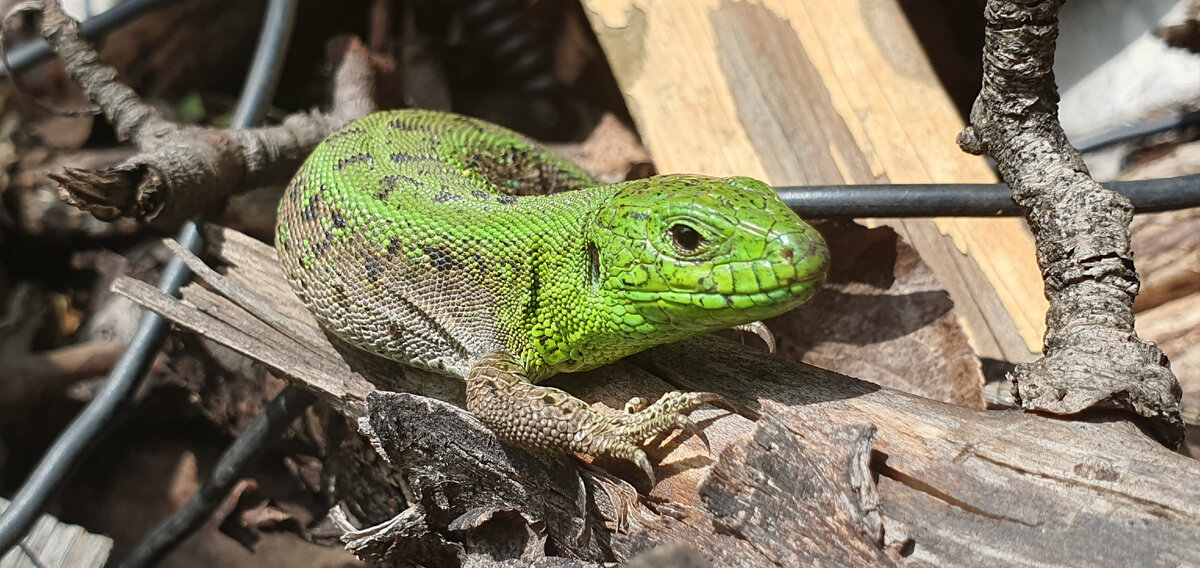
(183,170)
(1094,358)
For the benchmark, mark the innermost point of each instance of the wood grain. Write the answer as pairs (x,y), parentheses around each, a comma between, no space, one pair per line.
(793,474)
(818,92)
(54,544)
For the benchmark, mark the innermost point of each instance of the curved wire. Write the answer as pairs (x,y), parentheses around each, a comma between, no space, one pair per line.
(37,51)
(288,404)
(967,200)
(73,444)
(168,533)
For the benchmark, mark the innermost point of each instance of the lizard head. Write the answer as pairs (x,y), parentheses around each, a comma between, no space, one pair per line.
(676,256)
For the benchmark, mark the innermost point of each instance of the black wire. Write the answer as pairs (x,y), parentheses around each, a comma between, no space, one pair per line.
(165,536)
(73,444)
(1137,130)
(967,200)
(263,76)
(37,51)
(82,434)
(269,425)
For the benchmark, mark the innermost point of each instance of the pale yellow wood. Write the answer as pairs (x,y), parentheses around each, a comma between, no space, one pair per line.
(51,543)
(711,140)
(721,87)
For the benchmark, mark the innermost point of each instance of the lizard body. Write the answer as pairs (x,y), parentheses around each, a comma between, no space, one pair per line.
(449,243)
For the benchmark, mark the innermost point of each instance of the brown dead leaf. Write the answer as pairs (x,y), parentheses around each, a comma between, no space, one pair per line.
(184,480)
(609,152)
(574,48)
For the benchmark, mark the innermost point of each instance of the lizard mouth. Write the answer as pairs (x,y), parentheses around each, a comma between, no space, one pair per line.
(794,292)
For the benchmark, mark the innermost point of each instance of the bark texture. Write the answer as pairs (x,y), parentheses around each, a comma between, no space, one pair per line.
(811,468)
(1093,358)
(181,171)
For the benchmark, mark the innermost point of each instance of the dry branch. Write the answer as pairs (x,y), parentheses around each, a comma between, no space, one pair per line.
(1093,358)
(181,171)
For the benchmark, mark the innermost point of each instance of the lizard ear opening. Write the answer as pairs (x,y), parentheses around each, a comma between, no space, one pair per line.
(593,255)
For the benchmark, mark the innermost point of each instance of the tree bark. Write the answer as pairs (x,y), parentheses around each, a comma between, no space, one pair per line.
(1093,358)
(811,468)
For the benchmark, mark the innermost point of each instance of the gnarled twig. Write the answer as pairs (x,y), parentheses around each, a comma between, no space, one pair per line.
(1093,357)
(182,170)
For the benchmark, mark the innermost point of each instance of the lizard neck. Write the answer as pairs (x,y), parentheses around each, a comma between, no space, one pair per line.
(559,322)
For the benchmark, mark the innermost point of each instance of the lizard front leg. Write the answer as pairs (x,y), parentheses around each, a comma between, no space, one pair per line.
(541,417)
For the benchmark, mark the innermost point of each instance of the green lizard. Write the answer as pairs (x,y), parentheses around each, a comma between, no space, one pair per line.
(449,243)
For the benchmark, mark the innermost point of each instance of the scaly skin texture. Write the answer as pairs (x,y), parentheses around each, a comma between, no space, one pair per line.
(448,243)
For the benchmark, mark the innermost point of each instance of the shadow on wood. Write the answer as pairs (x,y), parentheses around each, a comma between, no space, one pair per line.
(836,471)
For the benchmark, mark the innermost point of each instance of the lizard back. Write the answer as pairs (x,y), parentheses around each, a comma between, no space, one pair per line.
(435,240)
(410,234)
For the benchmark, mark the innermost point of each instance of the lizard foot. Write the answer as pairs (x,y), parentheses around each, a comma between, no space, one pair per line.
(541,417)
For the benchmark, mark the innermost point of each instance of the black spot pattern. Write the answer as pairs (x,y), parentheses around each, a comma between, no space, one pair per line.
(446,196)
(481,267)
(506,199)
(373,267)
(309,213)
(593,255)
(339,222)
(317,249)
(293,192)
(441,258)
(355,159)
(394,246)
(339,135)
(393,182)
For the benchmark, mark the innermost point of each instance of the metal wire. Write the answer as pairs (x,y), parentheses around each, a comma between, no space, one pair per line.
(967,200)
(273,421)
(165,536)
(37,51)
(1141,129)
(61,459)
(73,444)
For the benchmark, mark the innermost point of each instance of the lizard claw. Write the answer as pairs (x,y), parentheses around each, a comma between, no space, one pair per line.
(690,427)
(760,329)
(636,404)
(639,458)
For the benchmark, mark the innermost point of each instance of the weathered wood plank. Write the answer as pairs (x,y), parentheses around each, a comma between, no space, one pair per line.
(947,485)
(55,544)
(819,92)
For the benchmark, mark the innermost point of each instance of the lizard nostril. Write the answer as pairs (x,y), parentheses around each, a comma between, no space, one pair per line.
(786,254)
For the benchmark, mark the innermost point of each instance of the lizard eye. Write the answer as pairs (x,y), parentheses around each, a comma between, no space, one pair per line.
(686,239)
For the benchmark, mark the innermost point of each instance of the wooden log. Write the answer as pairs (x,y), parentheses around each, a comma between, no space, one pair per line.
(808,468)
(820,92)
